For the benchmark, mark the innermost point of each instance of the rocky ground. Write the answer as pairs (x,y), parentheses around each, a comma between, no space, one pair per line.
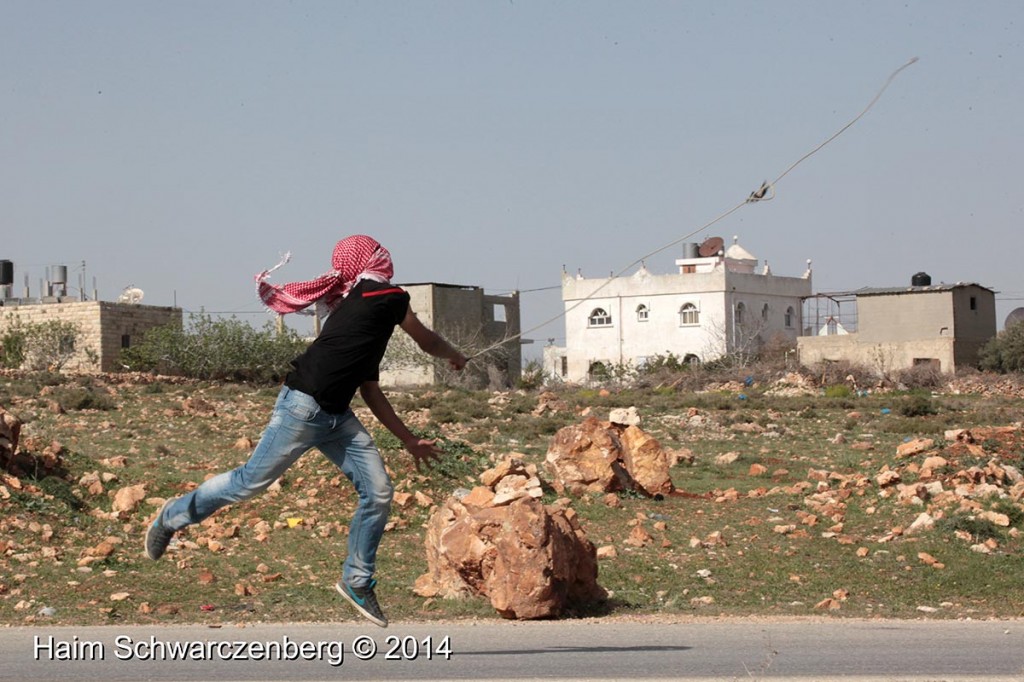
(745,498)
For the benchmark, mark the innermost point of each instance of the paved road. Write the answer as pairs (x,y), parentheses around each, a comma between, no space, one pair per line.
(559,650)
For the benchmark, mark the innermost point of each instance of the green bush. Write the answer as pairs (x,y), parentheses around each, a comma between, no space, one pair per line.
(46,345)
(979,529)
(12,346)
(216,349)
(917,406)
(1005,351)
(83,398)
(459,462)
(532,376)
(838,391)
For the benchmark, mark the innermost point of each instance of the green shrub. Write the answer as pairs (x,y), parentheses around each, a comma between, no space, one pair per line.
(669,362)
(83,398)
(62,491)
(1012,510)
(1005,351)
(45,346)
(532,376)
(979,529)
(12,346)
(838,391)
(917,406)
(459,462)
(216,349)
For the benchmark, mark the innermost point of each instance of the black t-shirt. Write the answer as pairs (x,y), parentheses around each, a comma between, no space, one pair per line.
(350,346)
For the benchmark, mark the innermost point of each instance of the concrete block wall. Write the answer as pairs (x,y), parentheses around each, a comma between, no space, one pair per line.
(464,315)
(102,326)
(880,357)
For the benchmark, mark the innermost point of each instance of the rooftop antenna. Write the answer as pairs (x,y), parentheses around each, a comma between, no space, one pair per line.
(131,295)
(710,247)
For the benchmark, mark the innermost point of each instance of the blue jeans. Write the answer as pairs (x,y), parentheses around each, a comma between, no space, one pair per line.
(296,425)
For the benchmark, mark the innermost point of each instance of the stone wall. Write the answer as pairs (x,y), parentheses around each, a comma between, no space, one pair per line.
(881,358)
(105,327)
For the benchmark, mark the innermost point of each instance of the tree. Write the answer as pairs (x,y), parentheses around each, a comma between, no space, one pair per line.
(216,349)
(1005,351)
(48,345)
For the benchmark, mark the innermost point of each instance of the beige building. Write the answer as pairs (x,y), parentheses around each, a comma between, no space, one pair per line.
(105,327)
(473,321)
(943,325)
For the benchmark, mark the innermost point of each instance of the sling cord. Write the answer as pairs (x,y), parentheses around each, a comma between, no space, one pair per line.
(765,192)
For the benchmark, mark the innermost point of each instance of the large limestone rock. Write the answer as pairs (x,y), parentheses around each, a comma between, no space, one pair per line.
(38,464)
(10,429)
(646,461)
(530,560)
(600,457)
(585,458)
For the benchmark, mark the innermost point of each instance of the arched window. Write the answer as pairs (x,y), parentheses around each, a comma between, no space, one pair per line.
(764,312)
(599,318)
(738,314)
(597,371)
(789,317)
(689,315)
(642,313)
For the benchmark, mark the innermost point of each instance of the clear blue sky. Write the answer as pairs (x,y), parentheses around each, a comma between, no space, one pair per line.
(182,146)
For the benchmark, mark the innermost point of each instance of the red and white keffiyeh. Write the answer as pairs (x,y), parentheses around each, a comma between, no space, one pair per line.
(355,258)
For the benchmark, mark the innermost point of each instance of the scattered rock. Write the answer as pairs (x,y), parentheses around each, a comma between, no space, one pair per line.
(548,402)
(197,406)
(128,498)
(612,500)
(914,447)
(624,416)
(727,458)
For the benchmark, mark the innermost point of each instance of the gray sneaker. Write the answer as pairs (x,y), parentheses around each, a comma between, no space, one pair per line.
(365,601)
(158,536)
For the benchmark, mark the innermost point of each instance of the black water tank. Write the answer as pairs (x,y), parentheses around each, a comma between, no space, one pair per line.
(921,279)
(6,272)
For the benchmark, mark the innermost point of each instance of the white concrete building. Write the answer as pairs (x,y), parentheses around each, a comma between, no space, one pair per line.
(716,304)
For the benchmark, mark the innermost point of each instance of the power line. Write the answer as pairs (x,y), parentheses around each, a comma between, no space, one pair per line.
(765,192)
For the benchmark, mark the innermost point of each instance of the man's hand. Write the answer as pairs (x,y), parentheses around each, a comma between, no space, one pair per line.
(458,361)
(424,452)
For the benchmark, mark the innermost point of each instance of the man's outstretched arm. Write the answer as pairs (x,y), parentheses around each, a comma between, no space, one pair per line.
(431,342)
